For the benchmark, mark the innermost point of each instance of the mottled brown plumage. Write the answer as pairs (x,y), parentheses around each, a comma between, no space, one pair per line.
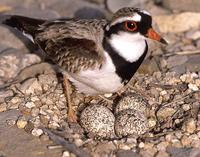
(74,45)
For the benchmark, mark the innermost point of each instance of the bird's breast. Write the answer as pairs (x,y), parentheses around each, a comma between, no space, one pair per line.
(96,81)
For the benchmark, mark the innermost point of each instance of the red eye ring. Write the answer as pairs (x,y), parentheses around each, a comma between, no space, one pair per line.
(130,26)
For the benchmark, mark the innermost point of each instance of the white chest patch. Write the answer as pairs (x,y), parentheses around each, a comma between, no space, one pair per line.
(97,81)
(129,46)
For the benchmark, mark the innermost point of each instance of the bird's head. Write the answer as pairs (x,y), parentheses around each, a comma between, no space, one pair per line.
(127,32)
(133,23)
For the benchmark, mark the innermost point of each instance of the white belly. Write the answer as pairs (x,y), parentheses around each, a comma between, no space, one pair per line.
(98,81)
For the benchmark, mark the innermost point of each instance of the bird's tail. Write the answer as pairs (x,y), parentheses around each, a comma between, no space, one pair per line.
(21,23)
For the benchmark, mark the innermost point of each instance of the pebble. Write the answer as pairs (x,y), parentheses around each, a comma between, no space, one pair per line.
(165,112)
(193,87)
(186,107)
(11,122)
(30,105)
(3,107)
(37,132)
(162,146)
(194,35)
(21,123)
(185,140)
(162,154)
(66,154)
(190,125)
(152,122)
(78,142)
(141,145)
(31,86)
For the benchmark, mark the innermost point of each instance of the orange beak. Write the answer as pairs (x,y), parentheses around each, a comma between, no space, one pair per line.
(151,34)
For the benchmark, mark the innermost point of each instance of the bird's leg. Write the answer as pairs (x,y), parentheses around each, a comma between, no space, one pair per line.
(71,116)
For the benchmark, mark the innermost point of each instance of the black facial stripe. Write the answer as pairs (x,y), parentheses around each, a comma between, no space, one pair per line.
(145,23)
(124,69)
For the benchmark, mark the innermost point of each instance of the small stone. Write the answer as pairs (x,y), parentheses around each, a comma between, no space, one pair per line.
(193,87)
(162,154)
(78,142)
(190,125)
(31,86)
(53,125)
(30,105)
(185,140)
(98,121)
(163,113)
(11,122)
(124,147)
(192,34)
(176,143)
(66,154)
(15,100)
(162,146)
(152,122)
(164,92)
(29,127)
(130,123)
(35,112)
(141,145)
(178,134)
(21,123)
(37,132)
(186,107)
(168,137)
(3,107)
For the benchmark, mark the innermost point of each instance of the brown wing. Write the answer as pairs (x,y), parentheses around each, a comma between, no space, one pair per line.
(72,45)
(72,54)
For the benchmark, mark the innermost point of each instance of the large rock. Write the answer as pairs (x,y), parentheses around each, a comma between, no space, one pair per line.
(113,6)
(182,5)
(77,8)
(178,23)
(13,61)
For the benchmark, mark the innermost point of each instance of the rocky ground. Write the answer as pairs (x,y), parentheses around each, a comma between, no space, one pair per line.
(156,116)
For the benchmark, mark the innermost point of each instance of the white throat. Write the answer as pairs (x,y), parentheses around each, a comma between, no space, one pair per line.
(129,46)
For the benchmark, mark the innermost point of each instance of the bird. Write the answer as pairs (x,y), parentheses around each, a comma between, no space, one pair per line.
(96,56)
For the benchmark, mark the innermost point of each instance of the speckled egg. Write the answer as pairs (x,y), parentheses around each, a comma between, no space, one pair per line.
(98,121)
(132,101)
(130,122)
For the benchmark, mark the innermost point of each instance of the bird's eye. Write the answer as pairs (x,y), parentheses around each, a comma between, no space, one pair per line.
(130,26)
